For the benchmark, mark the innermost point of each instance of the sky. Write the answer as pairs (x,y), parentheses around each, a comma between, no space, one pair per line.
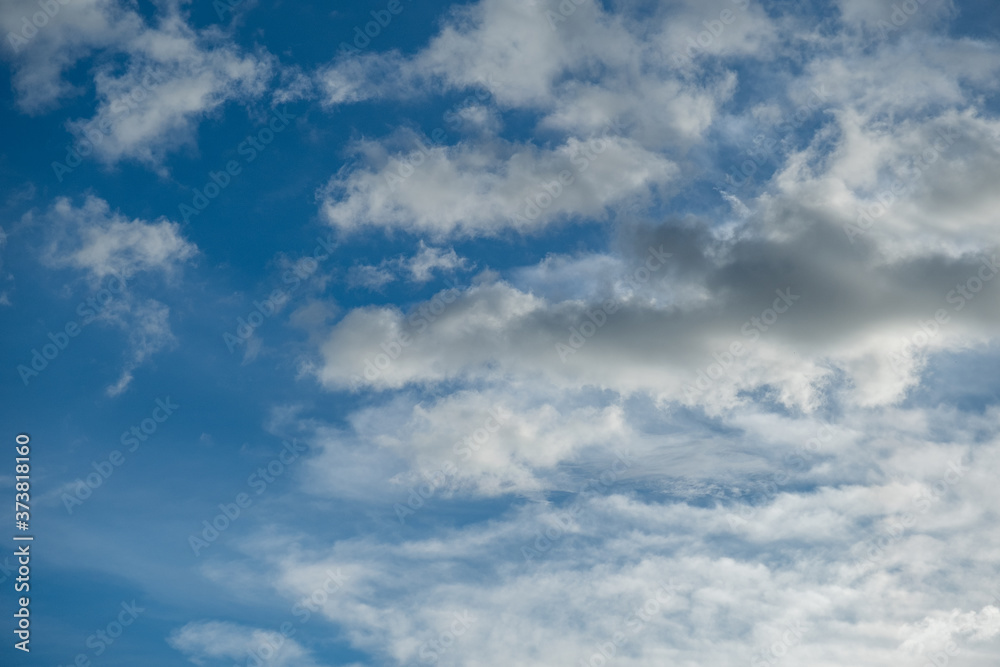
(505,332)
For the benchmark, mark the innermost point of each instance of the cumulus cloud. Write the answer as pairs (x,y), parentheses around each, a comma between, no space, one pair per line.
(612,112)
(482,189)
(660,336)
(93,238)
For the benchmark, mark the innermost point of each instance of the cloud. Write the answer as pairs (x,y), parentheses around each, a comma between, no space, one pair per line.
(173,77)
(600,77)
(428,259)
(369,277)
(100,242)
(481,189)
(420,268)
(149,332)
(669,577)
(74,31)
(216,640)
(661,337)
(155,106)
(113,253)
(582,74)
(491,442)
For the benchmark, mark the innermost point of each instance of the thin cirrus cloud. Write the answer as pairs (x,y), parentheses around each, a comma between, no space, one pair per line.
(106,246)
(207,640)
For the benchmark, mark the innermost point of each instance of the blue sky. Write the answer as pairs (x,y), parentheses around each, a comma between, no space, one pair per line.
(523,332)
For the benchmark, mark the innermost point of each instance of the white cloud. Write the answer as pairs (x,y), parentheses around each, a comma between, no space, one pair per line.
(94,239)
(113,253)
(201,640)
(491,442)
(663,335)
(420,268)
(174,75)
(553,582)
(370,277)
(148,326)
(485,188)
(428,259)
(74,31)
(599,74)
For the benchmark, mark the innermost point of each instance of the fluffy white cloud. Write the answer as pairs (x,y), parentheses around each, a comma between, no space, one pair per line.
(173,75)
(177,78)
(597,75)
(581,74)
(94,239)
(485,443)
(42,53)
(674,338)
(484,188)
